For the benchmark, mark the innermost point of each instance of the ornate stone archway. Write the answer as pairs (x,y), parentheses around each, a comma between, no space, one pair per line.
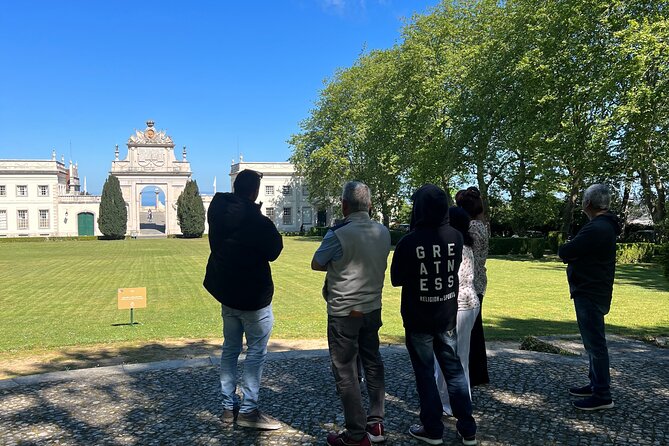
(151,161)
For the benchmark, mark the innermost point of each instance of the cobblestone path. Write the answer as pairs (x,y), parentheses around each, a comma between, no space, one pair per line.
(527,404)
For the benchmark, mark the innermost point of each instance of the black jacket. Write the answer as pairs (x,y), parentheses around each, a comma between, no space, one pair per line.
(591,259)
(242,242)
(426,263)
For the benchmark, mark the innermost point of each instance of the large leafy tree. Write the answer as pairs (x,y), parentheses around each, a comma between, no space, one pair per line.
(113,218)
(190,211)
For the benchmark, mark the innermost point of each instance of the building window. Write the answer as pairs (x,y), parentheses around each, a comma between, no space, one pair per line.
(269,190)
(307,216)
(21,191)
(287,216)
(286,190)
(3,190)
(44,219)
(269,212)
(3,219)
(305,191)
(43,191)
(22,219)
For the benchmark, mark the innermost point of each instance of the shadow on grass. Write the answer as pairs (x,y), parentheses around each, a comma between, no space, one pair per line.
(506,328)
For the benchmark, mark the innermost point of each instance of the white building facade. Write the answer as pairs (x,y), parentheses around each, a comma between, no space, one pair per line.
(43,198)
(284,196)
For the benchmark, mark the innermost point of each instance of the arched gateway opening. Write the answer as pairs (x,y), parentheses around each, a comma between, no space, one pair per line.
(151,181)
(152,211)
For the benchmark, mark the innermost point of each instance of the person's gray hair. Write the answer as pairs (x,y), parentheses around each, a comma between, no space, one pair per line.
(598,196)
(357,195)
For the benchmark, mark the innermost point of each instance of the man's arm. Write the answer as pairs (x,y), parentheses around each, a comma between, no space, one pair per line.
(584,243)
(329,250)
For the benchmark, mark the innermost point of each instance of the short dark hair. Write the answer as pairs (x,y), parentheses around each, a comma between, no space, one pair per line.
(470,200)
(247,182)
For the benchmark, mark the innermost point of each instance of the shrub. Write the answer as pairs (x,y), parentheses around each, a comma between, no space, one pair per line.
(113,218)
(190,211)
(318,231)
(555,239)
(396,235)
(517,245)
(635,252)
(663,251)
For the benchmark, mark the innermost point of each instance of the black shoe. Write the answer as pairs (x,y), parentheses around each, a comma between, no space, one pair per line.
(418,431)
(593,403)
(581,391)
(469,440)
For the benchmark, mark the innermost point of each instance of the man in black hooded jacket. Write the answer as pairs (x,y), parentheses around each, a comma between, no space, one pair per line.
(425,264)
(242,242)
(591,266)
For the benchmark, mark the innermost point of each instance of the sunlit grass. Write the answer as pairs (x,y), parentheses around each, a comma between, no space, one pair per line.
(55,294)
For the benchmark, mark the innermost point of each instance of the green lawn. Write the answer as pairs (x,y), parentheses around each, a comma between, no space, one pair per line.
(63,293)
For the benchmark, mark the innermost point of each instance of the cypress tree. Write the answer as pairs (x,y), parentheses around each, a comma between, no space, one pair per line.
(113,218)
(190,211)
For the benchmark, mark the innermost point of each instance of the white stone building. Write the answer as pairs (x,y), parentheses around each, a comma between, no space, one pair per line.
(43,198)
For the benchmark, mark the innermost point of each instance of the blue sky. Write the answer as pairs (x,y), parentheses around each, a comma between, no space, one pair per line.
(222,77)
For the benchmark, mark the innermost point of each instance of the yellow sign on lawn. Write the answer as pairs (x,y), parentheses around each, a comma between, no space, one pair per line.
(131,298)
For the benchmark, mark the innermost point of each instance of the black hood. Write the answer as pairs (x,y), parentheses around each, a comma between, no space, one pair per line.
(613,220)
(430,207)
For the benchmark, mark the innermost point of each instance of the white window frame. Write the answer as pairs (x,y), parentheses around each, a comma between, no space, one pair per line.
(3,219)
(287,212)
(3,190)
(42,188)
(22,187)
(269,190)
(44,222)
(287,190)
(269,213)
(22,223)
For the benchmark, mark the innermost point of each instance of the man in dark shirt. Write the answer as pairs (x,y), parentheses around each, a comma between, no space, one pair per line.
(591,264)
(425,264)
(242,243)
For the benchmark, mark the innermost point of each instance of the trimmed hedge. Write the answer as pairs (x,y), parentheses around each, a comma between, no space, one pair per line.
(47,239)
(663,251)
(635,252)
(555,239)
(318,231)
(395,236)
(517,246)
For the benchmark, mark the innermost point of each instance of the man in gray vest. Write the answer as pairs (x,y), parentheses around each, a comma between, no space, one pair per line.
(355,256)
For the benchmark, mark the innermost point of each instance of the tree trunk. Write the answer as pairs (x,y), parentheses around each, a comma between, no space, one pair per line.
(570,205)
(625,204)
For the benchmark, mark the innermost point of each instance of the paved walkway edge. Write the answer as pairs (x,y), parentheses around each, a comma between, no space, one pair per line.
(127,369)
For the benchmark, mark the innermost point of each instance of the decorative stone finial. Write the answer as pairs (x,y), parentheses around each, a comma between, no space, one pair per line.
(184,153)
(116,153)
(150,123)
(241,158)
(62,159)
(53,155)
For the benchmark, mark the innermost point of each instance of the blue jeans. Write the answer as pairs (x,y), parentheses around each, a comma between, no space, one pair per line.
(257,325)
(423,349)
(590,318)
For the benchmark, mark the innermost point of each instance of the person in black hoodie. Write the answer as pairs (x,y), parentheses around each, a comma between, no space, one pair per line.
(591,264)
(242,243)
(425,264)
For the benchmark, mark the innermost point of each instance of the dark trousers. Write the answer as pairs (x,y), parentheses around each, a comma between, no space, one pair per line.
(351,338)
(590,318)
(423,348)
(478,360)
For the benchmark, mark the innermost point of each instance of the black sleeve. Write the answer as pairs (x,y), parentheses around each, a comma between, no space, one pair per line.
(397,267)
(269,242)
(587,240)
